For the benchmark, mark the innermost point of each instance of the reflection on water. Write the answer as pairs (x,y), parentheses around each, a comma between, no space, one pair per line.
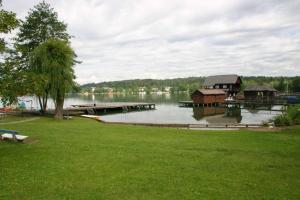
(173,114)
(168,111)
(199,113)
(218,115)
(234,113)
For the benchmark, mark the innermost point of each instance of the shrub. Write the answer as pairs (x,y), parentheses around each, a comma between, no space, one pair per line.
(282,120)
(294,114)
(291,117)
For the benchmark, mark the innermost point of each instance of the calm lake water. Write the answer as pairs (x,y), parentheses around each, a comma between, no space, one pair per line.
(168,111)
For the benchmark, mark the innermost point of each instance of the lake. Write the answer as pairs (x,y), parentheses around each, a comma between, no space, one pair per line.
(168,111)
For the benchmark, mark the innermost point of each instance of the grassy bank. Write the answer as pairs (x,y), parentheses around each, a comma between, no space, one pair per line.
(13,119)
(84,159)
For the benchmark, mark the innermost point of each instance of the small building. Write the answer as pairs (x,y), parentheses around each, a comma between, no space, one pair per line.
(154,90)
(231,84)
(142,89)
(208,96)
(257,93)
(167,89)
(108,89)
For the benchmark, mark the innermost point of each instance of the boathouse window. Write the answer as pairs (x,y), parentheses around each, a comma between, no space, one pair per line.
(217,86)
(224,86)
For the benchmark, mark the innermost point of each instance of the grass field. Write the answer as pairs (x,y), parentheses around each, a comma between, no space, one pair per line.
(84,159)
(12,118)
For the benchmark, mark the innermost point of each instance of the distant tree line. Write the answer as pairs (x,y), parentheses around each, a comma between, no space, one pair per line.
(282,84)
(177,84)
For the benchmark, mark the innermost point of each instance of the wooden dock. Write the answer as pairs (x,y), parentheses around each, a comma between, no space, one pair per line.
(192,104)
(108,107)
(238,104)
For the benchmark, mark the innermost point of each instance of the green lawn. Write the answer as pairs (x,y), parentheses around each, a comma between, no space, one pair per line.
(84,159)
(12,118)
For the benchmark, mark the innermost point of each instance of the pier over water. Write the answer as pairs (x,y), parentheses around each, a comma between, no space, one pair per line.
(108,107)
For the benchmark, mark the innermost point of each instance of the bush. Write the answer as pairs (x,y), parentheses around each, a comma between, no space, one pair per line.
(282,120)
(294,114)
(291,117)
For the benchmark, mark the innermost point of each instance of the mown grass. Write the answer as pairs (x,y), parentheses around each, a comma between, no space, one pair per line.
(84,159)
(11,118)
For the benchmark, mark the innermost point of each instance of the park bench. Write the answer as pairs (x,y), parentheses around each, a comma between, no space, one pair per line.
(11,134)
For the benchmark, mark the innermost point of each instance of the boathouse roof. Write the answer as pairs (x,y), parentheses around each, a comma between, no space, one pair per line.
(259,88)
(221,79)
(211,91)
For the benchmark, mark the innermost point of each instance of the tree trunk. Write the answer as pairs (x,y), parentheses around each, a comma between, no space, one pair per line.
(58,114)
(45,99)
(43,102)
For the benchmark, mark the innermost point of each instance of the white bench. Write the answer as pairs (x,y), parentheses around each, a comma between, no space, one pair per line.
(11,134)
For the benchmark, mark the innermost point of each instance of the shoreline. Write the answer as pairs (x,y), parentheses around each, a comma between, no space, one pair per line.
(183,125)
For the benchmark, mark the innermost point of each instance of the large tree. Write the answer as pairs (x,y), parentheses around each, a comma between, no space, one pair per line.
(295,84)
(53,60)
(280,85)
(8,77)
(40,25)
(8,22)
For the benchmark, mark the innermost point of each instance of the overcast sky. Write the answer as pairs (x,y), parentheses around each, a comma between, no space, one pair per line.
(128,39)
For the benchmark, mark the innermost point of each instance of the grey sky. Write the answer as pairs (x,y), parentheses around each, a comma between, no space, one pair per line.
(127,39)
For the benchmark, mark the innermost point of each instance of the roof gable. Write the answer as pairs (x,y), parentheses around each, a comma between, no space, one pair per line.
(221,79)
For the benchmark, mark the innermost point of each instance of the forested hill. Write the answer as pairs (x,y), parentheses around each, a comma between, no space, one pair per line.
(191,83)
(180,83)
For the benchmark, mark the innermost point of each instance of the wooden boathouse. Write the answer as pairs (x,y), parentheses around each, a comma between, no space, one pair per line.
(206,97)
(257,93)
(231,83)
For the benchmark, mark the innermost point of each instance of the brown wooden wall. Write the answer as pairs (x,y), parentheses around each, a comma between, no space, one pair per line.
(199,98)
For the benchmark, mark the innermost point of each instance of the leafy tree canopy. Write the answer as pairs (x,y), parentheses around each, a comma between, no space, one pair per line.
(54,60)
(8,22)
(40,25)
